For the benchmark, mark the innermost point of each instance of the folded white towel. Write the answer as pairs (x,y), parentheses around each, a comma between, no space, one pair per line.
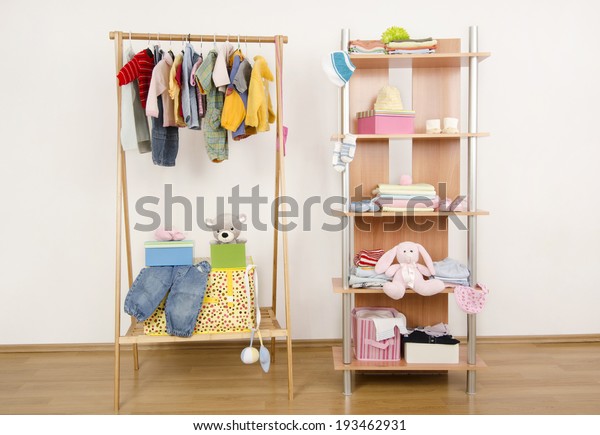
(384,328)
(374,314)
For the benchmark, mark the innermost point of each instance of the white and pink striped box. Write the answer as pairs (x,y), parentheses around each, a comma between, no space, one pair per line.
(366,346)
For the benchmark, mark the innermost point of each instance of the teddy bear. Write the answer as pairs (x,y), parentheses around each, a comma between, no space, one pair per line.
(226,228)
(407,273)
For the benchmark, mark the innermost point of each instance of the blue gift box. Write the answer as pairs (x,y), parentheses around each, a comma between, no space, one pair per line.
(176,253)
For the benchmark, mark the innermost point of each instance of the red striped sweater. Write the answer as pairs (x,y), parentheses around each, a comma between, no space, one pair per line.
(366,258)
(140,67)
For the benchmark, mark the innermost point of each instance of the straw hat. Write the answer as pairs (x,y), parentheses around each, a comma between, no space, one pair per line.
(388,98)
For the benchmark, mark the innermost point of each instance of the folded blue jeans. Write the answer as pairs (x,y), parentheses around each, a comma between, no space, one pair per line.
(185,286)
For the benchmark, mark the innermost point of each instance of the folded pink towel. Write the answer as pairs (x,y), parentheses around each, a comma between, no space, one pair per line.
(409,203)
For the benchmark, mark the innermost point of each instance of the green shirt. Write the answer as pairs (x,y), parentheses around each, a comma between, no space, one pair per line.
(214,134)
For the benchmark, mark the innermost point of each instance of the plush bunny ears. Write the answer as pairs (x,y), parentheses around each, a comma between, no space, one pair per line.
(386,260)
(426,258)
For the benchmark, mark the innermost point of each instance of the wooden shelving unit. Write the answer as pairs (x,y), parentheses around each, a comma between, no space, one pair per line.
(436,160)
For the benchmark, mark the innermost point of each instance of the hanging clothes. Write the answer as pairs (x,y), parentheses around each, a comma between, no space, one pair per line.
(189,100)
(158,54)
(214,134)
(140,68)
(220,71)
(159,87)
(165,133)
(135,133)
(175,90)
(241,83)
(234,108)
(200,97)
(260,110)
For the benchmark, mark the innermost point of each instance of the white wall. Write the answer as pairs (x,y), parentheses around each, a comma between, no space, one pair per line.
(538,97)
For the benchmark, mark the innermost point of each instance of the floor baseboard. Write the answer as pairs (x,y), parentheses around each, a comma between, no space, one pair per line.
(106,347)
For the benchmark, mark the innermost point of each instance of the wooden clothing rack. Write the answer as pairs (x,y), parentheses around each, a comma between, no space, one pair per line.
(269,326)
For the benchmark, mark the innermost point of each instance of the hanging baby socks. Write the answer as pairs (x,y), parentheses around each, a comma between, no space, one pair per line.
(338,165)
(348,148)
(343,152)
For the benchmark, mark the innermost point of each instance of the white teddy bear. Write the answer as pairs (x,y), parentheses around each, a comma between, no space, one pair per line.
(226,228)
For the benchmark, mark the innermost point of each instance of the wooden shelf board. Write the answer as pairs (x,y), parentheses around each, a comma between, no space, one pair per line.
(340,213)
(433,60)
(269,328)
(338,287)
(414,136)
(402,365)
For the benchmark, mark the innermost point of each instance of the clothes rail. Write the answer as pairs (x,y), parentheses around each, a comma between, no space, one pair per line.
(270,327)
(198,38)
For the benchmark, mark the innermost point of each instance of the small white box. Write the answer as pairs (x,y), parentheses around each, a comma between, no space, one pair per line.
(428,353)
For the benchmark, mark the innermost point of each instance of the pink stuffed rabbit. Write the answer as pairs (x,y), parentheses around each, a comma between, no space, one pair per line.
(408,273)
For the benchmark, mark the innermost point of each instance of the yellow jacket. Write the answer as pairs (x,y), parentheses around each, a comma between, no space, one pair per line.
(259,111)
(175,90)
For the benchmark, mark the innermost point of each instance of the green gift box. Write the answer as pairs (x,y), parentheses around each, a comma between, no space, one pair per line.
(228,255)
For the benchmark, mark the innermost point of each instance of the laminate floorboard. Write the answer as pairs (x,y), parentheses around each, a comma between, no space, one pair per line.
(521,379)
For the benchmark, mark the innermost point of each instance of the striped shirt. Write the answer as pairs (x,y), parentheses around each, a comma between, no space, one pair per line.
(140,68)
(368,258)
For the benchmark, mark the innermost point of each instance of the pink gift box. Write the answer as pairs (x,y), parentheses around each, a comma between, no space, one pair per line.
(387,124)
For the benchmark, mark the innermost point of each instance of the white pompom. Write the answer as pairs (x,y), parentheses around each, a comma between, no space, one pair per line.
(249,355)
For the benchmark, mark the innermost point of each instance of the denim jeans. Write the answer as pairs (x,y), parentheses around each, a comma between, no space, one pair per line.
(187,285)
(165,140)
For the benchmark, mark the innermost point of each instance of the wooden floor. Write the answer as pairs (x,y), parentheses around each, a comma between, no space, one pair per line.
(521,379)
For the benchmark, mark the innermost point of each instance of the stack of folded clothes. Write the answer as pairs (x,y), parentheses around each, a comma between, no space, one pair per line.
(412,46)
(366,47)
(438,334)
(366,277)
(363,274)
(406,197)
(451,272)
(368,258)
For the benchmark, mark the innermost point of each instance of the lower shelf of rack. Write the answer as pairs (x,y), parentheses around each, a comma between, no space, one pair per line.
(338,364)
(269,328)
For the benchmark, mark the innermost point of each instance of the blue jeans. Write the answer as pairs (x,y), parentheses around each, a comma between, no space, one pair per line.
(187,285)
(165,140)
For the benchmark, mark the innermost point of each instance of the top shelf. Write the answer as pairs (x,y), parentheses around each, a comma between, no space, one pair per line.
(433,60)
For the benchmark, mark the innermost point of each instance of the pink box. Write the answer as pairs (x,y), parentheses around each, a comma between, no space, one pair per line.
(366,346)
(387,124)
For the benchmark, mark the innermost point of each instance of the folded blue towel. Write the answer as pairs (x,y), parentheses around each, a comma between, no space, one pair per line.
(450,269)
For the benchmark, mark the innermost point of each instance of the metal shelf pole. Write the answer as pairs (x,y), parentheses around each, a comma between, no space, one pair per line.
(472,194)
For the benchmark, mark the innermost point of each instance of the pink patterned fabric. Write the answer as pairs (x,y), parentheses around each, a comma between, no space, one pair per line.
(471,300)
